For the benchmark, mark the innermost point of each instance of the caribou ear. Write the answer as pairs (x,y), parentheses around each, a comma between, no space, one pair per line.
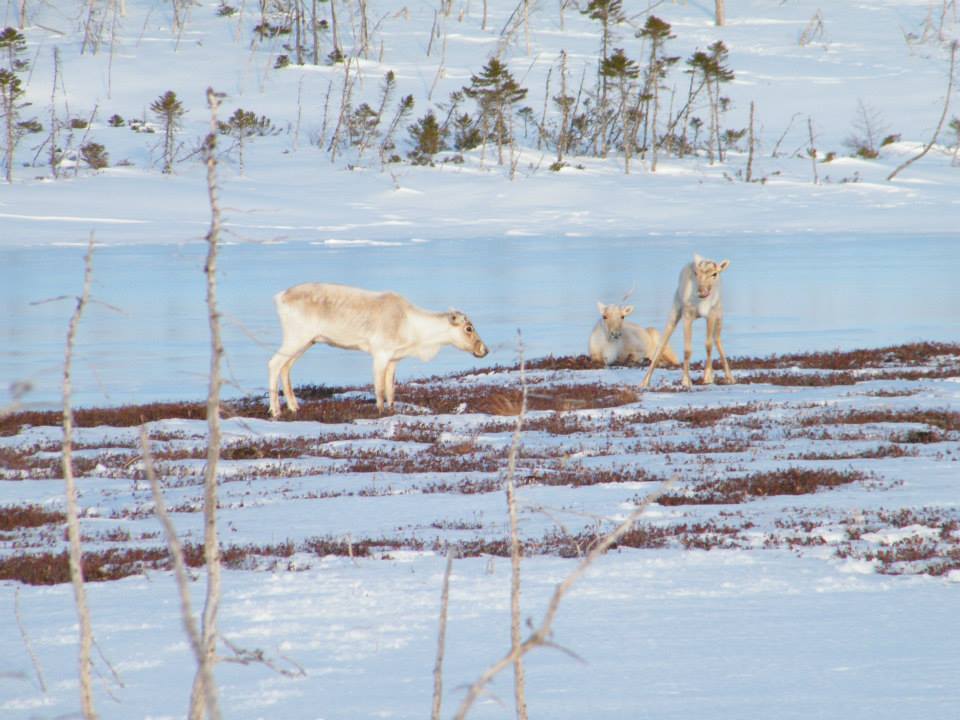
(601,307)
(724,264)
(697,259)
(627,309)
(455,316)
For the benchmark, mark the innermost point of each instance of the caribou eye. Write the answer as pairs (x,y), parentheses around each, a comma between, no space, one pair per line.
(469,329)
(715,274)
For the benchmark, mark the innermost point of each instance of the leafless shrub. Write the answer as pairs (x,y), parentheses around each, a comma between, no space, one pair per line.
(868,131)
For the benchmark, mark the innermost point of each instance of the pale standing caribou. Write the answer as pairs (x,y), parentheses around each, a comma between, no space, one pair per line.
(386,325)
(697,296)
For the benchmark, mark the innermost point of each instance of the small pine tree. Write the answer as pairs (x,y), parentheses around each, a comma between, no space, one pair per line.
(622,70)
(496,92)
(95,155)
(467,135)
(169,111)
(371,124)
(428,137)
(12,46)
(709,67)
(716,72)
(566,104)
(404,108)
(868,128)
(609,13)
(656,32)
(245,124)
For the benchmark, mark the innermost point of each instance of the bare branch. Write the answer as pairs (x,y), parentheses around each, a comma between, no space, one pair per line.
(441,639)
(174,547)
(943,115)
(812,151)
(26,640)
(541,635)
(73,521)
(516,549)
(211,543)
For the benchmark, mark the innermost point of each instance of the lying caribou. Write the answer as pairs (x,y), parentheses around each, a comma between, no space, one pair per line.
(616,339)
(386,325)
(697,296)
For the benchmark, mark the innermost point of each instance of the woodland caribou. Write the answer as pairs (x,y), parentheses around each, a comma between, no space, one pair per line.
(616,339)
(697,296)
(386,325)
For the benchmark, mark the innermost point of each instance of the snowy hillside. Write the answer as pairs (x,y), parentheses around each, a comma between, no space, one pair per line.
(797,61)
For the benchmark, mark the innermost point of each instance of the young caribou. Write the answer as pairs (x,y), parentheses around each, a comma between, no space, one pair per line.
(616,339)
(697,296)
(385,325)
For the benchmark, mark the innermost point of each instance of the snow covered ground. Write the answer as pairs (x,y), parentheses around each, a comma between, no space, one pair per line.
(834,603)
(779,602)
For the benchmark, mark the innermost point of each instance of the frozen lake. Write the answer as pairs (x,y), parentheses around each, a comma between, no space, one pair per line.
(782,294)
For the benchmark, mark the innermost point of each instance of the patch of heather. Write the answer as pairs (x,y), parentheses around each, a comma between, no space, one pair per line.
(14,517)
(910,354)
(941,419)
(734,490)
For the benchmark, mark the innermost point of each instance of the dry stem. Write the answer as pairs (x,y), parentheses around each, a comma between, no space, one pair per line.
(26,639)
(943,115)
(180,572)
(441,639)
(519,679)
(541,635)
(73,521)
(211,544)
